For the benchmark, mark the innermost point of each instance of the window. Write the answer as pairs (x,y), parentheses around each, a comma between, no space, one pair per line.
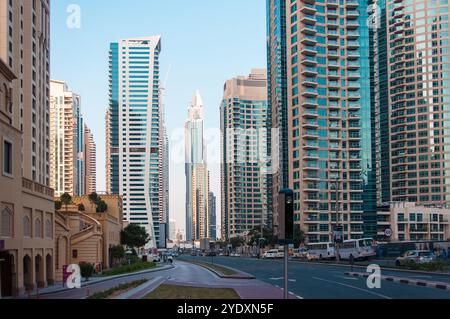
(7,158)
(48,229)
(26,227)
(38,228)
(6,222)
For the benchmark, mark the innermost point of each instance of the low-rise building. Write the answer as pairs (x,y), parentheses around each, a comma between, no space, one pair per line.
(26,210)
(87,236)
(402,221)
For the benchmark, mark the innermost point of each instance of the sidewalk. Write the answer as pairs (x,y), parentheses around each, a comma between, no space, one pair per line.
(58,287)
(405,280)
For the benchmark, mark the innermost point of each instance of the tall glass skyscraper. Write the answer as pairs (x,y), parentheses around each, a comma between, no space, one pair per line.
(134,131)
(329,116)
(196,170)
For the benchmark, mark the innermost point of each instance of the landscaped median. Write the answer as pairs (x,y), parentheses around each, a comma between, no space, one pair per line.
(221,271)
(120,289)
(189,293)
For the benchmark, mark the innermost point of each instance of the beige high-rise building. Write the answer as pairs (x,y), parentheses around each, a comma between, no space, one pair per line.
(26,203)
(246,193)
(66,135)
(90,161)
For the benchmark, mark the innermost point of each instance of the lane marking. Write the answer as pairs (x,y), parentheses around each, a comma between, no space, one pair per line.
(350,286)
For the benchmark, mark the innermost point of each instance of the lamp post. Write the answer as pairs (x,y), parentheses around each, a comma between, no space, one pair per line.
(338,224)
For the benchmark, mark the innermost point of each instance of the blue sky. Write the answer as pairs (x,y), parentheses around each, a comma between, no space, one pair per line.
(204,43)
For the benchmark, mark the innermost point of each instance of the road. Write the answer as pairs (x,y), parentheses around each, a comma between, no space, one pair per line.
(315,281)
(182,274)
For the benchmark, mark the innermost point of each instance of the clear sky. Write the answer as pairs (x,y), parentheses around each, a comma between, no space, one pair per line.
(204,43)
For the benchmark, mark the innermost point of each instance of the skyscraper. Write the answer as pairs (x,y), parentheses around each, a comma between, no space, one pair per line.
(244,170)
(329,116)
(278,146)
(196,170)
(66,141)
(134,131)
(212,216)
(90,161)
(418,102)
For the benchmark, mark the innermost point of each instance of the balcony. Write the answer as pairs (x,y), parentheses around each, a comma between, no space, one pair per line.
(308,29)
(352,44)
(332,13)
(308,9)
(309,50)
(333,3)
(309,71)
(352,4)
(310,102)
(309,61)
(310,92)
(310,82)
(37,189)
(309,40)
(353,24)
(352,14)
(308,19)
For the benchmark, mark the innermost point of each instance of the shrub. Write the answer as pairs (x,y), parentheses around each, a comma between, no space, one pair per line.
(125,269)
(87,270)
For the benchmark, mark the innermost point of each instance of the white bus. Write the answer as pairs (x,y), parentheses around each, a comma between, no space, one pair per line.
(320,251)
(358,248)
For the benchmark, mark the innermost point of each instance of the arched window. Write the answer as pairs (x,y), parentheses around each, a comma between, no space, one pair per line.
(38,228)
(6,222)
(48,229)
(26,227)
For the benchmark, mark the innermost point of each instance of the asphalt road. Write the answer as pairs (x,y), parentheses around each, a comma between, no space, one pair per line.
(315,281)
(182,274)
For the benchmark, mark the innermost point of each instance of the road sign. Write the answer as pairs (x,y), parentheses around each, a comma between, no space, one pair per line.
(388,232)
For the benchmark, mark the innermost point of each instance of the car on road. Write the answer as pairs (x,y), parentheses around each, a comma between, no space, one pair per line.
(416,257)
(280,254)
(270,254)
(300,253)
(154,258)
(235,255)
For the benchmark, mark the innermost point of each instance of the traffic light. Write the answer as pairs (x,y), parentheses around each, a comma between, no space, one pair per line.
(286,216)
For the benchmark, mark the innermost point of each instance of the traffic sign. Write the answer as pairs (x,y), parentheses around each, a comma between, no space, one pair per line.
(388,232)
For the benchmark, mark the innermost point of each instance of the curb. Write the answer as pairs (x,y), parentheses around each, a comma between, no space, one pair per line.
(407,281)
(158,281)
(110,278)
(244,276)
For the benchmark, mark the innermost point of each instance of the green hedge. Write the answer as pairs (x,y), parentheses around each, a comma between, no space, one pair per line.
(434,266)
(122,287)
(129,268)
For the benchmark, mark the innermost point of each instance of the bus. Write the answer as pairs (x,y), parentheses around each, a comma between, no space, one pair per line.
(320,251)
(358,248)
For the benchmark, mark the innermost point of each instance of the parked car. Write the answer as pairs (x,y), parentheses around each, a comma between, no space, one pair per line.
(155,258)
(415,256)
(270,254)
(280,254)
(312,256)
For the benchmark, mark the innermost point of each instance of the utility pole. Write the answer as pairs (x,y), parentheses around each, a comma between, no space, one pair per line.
(338,222)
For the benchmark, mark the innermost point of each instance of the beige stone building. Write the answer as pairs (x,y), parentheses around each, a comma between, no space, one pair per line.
(413,222)
(87,236)
(26,201)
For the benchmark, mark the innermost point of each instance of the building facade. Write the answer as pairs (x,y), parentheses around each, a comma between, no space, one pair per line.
(212,211)
(244,153)
(67,167)
(134,131)
(277,86)
(329,119)
(413,222)
(196,170)
(419,102)
(26,201)
(90,162)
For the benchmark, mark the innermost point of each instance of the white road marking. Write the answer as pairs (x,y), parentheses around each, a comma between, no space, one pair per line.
(350,286)
(347,278)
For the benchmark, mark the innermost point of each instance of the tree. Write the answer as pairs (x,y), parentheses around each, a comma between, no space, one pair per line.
(81,208)
(134,236)
(87,270)
(117,253)
(93,198)
(268,237)
(299,235)
(101,206)
(58,205)
(237,241)
(66,199)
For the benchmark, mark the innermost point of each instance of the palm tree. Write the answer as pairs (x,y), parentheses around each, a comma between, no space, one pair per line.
(66,199)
